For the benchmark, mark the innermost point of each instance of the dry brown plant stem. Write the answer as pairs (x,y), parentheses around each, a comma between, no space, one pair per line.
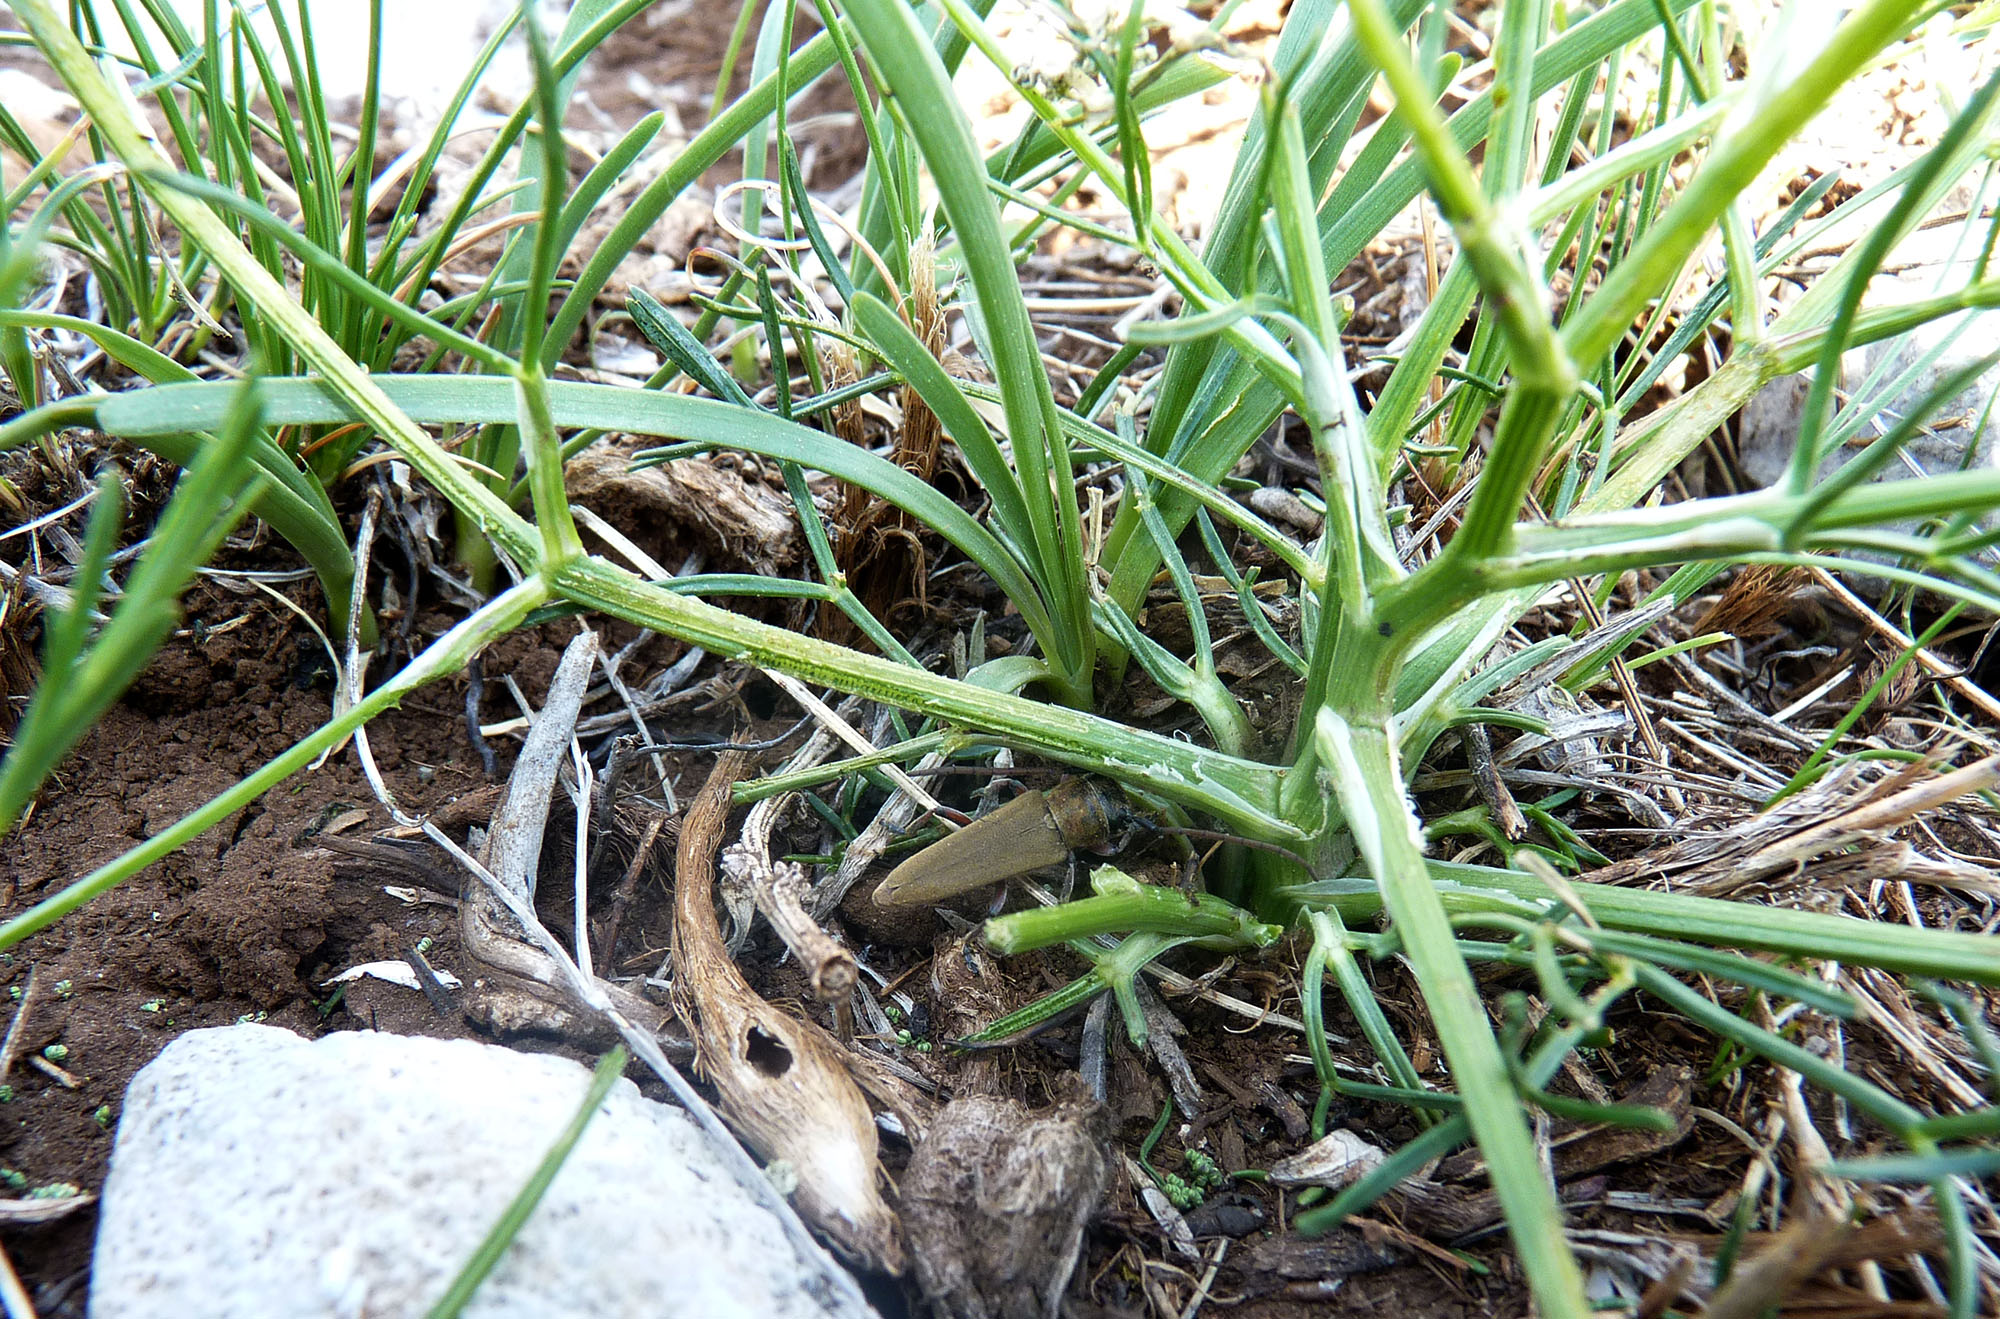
(1942,669)
(11,1045)
(780,1082)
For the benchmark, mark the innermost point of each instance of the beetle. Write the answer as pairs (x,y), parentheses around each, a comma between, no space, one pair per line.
(1034,830)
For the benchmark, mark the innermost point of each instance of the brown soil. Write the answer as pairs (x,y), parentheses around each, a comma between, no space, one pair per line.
(246,923)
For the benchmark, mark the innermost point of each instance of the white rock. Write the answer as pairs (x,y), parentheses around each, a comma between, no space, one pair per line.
(1891,378)
(1769,427)
(260,1174)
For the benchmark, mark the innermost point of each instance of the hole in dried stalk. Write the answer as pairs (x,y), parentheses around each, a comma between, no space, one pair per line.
(767,1053)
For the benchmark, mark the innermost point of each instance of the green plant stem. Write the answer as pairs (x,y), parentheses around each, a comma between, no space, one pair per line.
(1122,903)
(1239,791)
(447,655)
(1078,991)
(1545,375)
(560,539)
(1919,1168)
(1361,760)
(1205,418)
(1468,892)
(1114,969)
(1331,950)
(1494,253)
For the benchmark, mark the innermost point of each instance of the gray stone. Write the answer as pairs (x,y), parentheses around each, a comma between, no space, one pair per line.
(1926,266)
(1769,427)
(260,1174)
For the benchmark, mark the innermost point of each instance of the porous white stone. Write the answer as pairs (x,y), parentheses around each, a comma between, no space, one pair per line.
(1769,428)
(259,1174)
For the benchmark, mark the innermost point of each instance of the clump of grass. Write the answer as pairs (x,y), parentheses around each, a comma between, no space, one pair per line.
(1395,640)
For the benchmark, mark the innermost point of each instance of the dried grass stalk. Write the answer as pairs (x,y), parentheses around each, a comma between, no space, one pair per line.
(519,987)
(879,547)
(780,1082)
(1842,811)
(780,888)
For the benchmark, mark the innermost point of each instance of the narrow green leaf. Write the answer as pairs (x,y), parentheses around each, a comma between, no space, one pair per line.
(685,351)
(493,1247)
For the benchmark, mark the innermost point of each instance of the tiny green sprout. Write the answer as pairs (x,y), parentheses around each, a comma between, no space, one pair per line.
(152,1005)
(251,1018)
(425,944)
(102,1117)
(904,1038)
(892,1012)
(65,989)
(56,1191)
(1183,1196)
(6,1094)
(13,1179)
(1203,1172)
(923,1046)
(56,1053)
(14,992)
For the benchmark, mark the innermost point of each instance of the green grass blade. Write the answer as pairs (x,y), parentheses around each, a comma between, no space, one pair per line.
(77,688)
(1919,1167)
(1041,451)
(686,352)
(494,1245)
(707,147)
(1806,935)
(544,170)
(331,270)
(491,400)
(63,634)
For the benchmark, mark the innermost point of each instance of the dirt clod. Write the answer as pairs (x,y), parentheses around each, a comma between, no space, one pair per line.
(995,1203)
